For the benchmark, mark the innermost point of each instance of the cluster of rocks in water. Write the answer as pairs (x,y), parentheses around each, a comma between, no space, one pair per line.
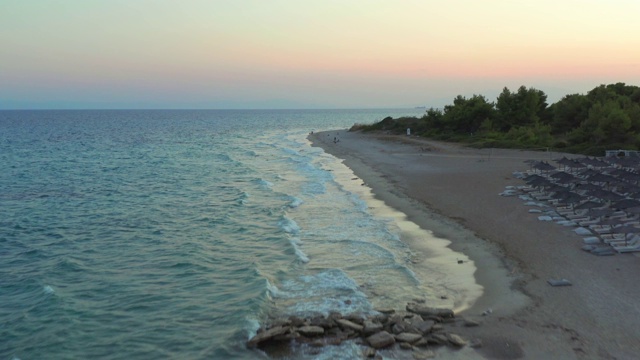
(419,328)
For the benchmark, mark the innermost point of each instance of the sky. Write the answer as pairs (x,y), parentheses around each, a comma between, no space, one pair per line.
(229,54)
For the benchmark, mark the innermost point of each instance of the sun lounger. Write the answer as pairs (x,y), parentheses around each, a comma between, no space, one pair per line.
(591,240)
(559,282)
(583,231)
(627,248)
(602,230)
(608,238)
(603,251)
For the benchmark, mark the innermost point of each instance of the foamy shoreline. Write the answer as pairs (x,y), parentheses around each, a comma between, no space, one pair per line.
(595,318)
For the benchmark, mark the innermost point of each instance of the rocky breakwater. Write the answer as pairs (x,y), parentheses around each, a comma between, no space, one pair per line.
(418,329)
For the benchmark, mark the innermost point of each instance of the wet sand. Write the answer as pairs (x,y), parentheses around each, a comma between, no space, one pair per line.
(453,191)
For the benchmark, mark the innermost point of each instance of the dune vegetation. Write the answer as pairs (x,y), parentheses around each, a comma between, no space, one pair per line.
(607,117)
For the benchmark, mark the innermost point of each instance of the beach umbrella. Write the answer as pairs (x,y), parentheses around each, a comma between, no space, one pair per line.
(625,229)
(605,195)
(541,182)
(588,172)
(629,176)
(543,166)
(610,221)
(593,162)
(588,205)
(561,175)
(599,212)
(534,177)
(573,199)
(625,204)
(562,161)
(567,180)
(601,178)
(576,165)
(586,186)
(632,210)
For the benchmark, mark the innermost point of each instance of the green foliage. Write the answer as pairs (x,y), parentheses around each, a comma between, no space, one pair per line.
(522,108)
(606,117)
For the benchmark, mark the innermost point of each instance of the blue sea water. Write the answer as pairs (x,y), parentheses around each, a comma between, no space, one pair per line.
(158,234)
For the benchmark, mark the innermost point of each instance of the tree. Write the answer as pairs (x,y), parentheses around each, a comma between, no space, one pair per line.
(523,108)
(467,115)
(569,113)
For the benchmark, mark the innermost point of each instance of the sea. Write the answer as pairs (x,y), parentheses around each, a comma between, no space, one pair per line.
(175,234)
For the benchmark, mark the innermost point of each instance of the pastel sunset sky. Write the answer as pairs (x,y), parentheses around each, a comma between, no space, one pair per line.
(308,54)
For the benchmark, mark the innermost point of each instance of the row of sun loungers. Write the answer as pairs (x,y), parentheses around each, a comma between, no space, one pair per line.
(599,197)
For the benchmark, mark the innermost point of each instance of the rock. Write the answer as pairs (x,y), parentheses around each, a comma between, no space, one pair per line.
(424,326)
(437,319)
(268,335)
(349,325)
(456,340)
(381,340)
(475,343)
(311,330)
(386,311)
(429,311)
(471,323)
(322,322)
(297,321)
(355,318)
(369,352)
(333,316)
(398,328)
(437,327)
(423,355)
(371,327)
(408,337)
(405,346)
(421,343)
(437,339)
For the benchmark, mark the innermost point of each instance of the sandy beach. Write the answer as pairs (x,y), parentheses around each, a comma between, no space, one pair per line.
(453,191)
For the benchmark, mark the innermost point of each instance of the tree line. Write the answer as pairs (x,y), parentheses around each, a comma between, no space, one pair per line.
(607,117)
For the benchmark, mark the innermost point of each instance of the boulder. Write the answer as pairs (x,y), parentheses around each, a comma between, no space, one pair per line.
(476,343)
(368,352)
(471,323)
(322,322)
(349,325)
(398,328)
(408,337)
(268,335)
(386,311)
(311,330)
(371,327)
(456,340)
(405,346)
(424,326)
(437,339)
(423,355)
(429,311)
(381,340)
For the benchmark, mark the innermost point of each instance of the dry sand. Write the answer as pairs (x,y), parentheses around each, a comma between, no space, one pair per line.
(453,191)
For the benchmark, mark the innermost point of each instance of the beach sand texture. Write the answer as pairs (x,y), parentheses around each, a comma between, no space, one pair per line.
(453,191)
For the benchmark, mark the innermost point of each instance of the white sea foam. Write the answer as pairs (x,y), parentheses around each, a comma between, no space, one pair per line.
(273,290)
(301,255)
(330,290)
(265,183)
(252,327)
(295,202)
(289,226)
(48,289)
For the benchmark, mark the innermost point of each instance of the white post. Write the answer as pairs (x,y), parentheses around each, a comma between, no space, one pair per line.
(408,131)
